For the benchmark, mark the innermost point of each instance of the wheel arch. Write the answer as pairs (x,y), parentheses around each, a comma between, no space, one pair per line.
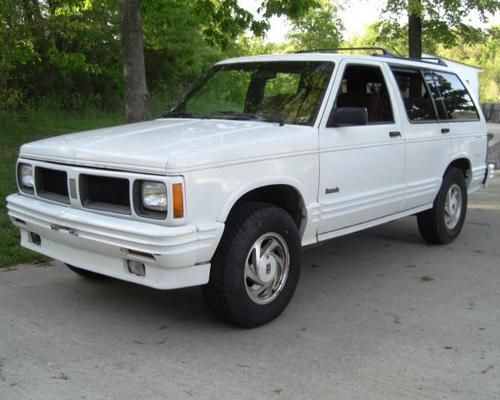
(462,163)
(286,193)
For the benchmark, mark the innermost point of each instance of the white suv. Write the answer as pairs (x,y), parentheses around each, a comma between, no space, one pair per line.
(264,155)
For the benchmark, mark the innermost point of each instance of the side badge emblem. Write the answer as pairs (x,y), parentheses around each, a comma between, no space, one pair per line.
(332,190)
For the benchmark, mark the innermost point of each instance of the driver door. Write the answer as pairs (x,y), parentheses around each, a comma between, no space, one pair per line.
(361,167)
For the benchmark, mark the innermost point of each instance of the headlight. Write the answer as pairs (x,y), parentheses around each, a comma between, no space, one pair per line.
(25,177)
(154,196)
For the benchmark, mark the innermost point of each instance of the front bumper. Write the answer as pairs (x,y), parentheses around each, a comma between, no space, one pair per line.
(174,257)
(490,174)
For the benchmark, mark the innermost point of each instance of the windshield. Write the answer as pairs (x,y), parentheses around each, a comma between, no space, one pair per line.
(285,92)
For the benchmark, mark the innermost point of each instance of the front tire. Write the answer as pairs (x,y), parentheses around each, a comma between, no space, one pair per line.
(256,267)
(444,221)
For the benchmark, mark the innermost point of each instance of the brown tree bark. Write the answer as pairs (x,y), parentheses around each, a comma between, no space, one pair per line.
(415,28)
(134,71)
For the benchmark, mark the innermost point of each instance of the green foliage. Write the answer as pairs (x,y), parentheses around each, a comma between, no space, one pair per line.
(225,91)
(319,28)
(61,48)
(26,126)
(292,8)
(442,21)
(251,45)
(176,50)
(378,35)
(284,84)
(225,20)
(70,50)
(486,55)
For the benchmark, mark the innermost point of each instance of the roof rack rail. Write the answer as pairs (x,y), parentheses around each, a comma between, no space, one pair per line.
(383,53)
(435,59)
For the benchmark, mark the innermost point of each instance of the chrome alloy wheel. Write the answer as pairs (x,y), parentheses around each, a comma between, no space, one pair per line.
(453,206)
(266,268)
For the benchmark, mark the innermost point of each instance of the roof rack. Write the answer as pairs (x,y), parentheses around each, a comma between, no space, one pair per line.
(435,59)
(383,53)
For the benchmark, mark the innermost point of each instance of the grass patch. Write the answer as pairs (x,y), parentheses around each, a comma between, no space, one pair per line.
(17,128)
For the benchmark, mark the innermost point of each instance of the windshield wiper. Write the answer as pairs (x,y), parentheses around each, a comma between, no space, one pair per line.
(241,116)
(182,114)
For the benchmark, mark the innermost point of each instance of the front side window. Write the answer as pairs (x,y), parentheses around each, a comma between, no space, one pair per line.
(364,86)
(289,92)
(457,100)
(416,97)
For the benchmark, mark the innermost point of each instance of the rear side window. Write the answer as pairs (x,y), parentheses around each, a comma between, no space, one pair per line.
(457,100)
(364,86)
(417,99)
(436,95)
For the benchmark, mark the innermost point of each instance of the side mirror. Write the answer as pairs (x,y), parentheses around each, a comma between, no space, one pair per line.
(348,116)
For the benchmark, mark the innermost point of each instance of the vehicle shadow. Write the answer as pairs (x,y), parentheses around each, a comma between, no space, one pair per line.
(342,258)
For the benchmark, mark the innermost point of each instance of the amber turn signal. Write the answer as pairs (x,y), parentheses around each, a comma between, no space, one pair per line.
(178,200)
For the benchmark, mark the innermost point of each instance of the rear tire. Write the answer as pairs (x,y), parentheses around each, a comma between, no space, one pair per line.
(86,274)
(444,221)
(256,267)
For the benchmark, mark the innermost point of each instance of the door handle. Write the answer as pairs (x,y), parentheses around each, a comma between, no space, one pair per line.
(395,134)
(61,228)
(445,130)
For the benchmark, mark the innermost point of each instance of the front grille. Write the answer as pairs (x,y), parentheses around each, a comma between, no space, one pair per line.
(52,184)
(105,194)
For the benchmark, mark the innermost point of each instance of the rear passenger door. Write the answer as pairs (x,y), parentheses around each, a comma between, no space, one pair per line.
(361,167)
(467,131)
(428,143)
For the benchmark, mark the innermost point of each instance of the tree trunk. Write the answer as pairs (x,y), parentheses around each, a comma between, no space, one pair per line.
(32,12)
(415,28)
(134,71)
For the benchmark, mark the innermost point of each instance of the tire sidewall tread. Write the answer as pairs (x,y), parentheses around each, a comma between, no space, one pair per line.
(225,293)
(431,222)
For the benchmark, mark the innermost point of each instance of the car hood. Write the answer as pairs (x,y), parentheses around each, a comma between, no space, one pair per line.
(172,145)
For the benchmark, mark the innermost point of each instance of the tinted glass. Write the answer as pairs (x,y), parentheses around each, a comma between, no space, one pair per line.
(226,91)
(289,91)
(457,100)
(364,86)
(436,95)
(416,96)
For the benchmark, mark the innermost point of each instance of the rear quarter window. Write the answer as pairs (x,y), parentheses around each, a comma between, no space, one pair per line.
(457,100)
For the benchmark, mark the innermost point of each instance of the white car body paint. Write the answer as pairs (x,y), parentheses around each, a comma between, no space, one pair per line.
(379,178)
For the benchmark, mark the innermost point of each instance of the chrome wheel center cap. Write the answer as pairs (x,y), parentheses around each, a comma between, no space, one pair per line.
(453,207)
(267,268)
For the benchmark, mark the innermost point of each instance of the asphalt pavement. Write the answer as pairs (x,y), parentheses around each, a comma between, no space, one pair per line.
(377,315)
(494,129)
(494,145)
